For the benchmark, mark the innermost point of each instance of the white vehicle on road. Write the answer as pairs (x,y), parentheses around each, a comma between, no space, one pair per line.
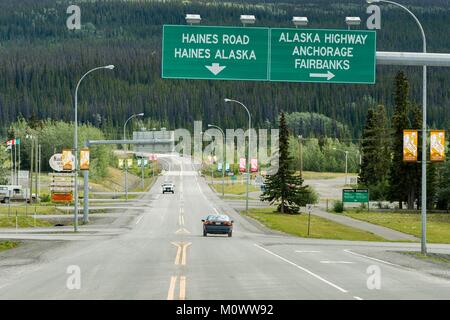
(168,187)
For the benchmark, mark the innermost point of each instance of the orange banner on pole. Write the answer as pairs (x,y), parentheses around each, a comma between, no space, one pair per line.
(242,164)
(67,160)
(410,145)
(84,159)
(437,145)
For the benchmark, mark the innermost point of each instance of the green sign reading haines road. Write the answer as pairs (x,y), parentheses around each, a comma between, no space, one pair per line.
(262,54)
(304,55)
(220,53)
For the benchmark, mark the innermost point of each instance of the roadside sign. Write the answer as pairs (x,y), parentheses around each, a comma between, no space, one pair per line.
(321,55)
(355,195)
(62,197)
(211,52)
(56,162)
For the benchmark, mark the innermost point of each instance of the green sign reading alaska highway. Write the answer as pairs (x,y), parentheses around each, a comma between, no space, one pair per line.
(322,56)
(262,54)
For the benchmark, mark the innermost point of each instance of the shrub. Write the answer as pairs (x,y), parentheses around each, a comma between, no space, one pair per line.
(45,197)
(338,206)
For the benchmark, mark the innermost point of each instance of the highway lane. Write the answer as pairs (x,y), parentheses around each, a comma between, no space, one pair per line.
(165,256)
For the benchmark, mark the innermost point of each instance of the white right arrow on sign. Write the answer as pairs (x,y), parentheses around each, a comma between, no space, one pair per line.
(215,68)
(329,75)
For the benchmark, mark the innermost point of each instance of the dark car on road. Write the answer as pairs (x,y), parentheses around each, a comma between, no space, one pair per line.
(217,224)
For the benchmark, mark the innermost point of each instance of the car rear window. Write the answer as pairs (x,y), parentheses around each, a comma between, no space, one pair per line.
(218,218)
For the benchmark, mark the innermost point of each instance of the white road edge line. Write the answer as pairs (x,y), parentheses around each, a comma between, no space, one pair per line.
(139,219)
(357,298)
(304,269)
(306,251)
(375,259)
(336,262)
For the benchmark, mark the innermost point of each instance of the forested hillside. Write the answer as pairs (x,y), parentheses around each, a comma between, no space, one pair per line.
(41,61)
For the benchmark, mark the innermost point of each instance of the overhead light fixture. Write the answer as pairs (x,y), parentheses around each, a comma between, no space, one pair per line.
(353,21)
(193,18)
(248,19)
(300,21)
(373,1)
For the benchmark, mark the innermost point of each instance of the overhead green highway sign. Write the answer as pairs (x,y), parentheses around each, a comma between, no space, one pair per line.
(262,54)
(304,55)
(221,53)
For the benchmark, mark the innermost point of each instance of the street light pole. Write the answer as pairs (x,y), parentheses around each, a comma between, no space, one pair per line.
(346,167)
(75,144)
(126,151)
(300,138)
(223,157)
(249,149)
(424,127)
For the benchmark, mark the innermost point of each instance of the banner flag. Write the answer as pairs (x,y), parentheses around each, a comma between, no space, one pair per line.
(254,165)
(437,145)
(242,164)
(410,145)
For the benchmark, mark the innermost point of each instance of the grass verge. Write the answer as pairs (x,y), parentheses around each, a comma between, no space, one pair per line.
(22,209)
(6,245)
(438,224)
(22,222)
(431,257)
(236,188)
(297,225)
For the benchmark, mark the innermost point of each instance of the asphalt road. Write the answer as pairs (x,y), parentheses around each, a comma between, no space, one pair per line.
(163,255)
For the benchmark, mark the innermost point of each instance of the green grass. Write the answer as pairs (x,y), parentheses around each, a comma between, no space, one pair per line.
(22,222)
(324,175)
(236,197)
(22,209)
(432,257)
(320,228)
(438,224)
(236,188)
(6,245)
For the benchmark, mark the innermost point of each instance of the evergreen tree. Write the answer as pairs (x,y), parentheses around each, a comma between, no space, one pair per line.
(375,160)
(443,195)
(399,182)
(285,186)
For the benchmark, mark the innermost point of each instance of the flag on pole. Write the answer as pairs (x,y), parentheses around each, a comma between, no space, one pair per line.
(254,165)
(242,164)
(12,142)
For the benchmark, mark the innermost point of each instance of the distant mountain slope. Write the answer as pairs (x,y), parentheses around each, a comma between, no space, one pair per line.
(40,62)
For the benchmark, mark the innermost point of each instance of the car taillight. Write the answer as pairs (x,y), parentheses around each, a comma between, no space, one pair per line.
(207,222)
(227,223)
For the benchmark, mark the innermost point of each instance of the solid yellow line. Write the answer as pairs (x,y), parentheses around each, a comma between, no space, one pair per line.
(182,288)
(183,257)
(173,281)
(178,256)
